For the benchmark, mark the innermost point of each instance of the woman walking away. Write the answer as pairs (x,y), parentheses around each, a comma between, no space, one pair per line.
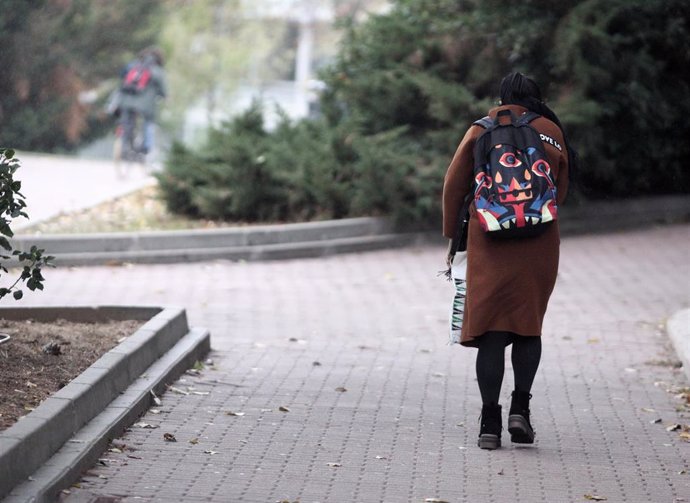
(514,165)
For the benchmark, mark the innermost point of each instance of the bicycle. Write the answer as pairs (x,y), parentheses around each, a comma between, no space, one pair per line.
(129,140)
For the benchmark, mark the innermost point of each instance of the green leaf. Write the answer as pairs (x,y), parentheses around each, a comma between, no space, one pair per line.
(9,153)
(18,294)
(5,243)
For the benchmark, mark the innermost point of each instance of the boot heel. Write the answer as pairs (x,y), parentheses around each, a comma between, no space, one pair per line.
(520,430)
(489,441)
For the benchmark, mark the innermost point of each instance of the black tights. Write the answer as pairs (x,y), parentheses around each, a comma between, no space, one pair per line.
(525,356)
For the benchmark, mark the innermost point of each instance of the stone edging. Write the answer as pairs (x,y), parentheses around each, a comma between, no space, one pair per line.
(313,239)
(67,432)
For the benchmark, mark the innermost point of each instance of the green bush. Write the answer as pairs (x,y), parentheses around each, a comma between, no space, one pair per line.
(302,171)
(406,85)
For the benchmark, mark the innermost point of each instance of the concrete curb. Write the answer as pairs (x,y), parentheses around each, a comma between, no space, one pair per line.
(678,329)
(111,390)
(314,239)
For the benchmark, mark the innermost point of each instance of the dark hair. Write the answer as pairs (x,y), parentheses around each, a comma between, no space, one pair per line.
(518,89)
(157,54)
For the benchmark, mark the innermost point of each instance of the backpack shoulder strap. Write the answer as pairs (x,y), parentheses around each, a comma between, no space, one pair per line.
(485,122)
(528,117)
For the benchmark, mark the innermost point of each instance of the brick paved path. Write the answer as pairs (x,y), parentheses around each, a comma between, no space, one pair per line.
(291,334)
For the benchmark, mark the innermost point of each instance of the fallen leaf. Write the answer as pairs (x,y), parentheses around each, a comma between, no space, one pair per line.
(439,374)
(500,472)
(266,410)
(201,393)
(381,457)
(156,400)
(460,424)
(178,390)
(169,437)
(341,389)
(283,409)
(435,500)
(673,427)
(146,426)
(211,452)
(52,348)
(425,351)
(155,411)
(647,409)
(133,457)
(593,497)
(115,450)
(231,413)
(316,364)
(685,436)
(194,441)
(334,465)
(293,339)
(656,421)
(682,472)
(29,384)
(593,340)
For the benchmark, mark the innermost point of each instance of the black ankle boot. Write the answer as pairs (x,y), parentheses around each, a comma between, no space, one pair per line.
(520,428)
(490,429)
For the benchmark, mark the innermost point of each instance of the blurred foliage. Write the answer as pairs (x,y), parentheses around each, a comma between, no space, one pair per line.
(209,46)
(55,50)
(406,85)
(624,94)
(614,70)
(303,171)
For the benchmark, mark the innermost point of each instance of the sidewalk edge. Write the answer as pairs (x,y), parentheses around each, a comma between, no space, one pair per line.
(31,441)
(84,449)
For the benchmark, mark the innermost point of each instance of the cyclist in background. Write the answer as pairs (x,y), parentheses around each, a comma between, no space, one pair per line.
(142,86)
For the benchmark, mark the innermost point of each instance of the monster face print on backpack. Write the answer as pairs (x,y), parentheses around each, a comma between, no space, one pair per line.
(514,191)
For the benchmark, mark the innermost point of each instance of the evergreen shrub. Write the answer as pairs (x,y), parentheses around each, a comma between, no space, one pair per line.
(301,171)
(406,85)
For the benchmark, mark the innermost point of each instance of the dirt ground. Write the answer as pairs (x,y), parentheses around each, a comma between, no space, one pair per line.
(41,358)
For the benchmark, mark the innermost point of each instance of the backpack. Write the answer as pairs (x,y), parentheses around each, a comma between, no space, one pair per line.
(514,192)
(136,79)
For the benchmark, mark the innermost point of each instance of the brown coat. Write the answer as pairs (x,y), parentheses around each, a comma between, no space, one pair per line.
(509,282)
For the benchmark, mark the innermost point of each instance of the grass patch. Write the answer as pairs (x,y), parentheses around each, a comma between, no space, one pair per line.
(142,210)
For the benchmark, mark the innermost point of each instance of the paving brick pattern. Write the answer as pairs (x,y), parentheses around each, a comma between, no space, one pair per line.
(377,407)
